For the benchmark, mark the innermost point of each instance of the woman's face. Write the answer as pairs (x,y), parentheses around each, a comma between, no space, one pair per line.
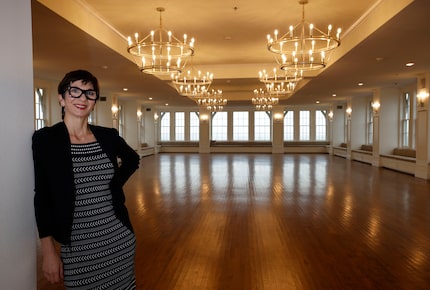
(79,100)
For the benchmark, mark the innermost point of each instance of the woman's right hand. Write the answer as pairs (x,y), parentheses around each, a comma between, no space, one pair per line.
(52,266)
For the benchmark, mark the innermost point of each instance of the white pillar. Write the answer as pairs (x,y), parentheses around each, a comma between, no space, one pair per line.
(278,129)
(205,124)
(17,226)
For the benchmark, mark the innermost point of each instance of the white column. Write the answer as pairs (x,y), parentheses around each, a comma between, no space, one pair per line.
(278,129)
(204,140)
(17,226)
(422,169)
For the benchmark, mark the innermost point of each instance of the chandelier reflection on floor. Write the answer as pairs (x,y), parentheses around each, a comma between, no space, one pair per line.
(304,47)
(263,101)
(160,52)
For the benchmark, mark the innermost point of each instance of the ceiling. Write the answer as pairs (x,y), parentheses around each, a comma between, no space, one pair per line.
(378,38)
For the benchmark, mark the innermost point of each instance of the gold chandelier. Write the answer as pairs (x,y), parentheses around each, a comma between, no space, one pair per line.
(263,101)
(193,83)
(212,100)
(280,85)
(304,47)
(160,52)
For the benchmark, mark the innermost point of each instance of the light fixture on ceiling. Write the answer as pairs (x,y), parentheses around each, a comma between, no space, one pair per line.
(160,52)
(279,85)
(304,46)
(263,101)
(212,100)
(192,83)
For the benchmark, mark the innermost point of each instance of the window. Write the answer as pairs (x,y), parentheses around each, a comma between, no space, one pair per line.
(92,118)
(240,126)
(39,98)
(165,126)
(262,126)
(194,126)
(320,125)
(219,126)
(304,126)
(289,126)
(369,121)
(179,126)
(121,121)
(407,120)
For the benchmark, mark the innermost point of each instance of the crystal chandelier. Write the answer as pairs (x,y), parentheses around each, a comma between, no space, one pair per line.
(160,52)
(212,100)
(280,85)
(193,83)
(304,47)
(263,101)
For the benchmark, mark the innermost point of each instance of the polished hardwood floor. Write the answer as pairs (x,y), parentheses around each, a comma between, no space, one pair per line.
(276,221)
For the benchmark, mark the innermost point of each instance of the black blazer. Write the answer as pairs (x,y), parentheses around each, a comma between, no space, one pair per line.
(54,181)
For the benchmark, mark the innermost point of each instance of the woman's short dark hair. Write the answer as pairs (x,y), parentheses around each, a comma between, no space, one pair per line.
(78,75)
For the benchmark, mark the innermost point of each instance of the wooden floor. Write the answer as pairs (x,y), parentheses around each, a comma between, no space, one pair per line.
(269,221)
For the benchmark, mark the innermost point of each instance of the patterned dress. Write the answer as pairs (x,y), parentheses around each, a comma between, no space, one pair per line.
(101,254)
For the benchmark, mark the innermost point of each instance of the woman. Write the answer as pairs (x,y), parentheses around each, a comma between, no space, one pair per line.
(79,201)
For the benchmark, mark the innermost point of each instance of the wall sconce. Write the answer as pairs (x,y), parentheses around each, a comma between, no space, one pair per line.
(375,106)
(155,116)
(349,112)
(330,115)
(139,115)
(277,118)
(114,112)
(422,96)
(204,117)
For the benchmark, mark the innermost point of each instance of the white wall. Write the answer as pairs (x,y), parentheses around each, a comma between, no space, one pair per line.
(130,123)
(103,111)
(358,122)
(17,227)
(389,120)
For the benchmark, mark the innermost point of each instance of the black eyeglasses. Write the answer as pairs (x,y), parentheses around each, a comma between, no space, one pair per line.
(76,93)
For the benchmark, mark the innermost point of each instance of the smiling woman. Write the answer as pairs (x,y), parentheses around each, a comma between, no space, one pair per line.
(79,200)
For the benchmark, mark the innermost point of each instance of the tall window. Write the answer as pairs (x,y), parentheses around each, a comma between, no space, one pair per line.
(289,126)
(165,126)
(320,125)
(39,96)
(261,126)
(194,126)
(179,126)
(92,118)
(369,121)
(121,121)
(405,120)
(219,126)
(304,126)
(240,125)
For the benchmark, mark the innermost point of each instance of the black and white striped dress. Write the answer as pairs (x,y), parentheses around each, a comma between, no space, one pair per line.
(101,254)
